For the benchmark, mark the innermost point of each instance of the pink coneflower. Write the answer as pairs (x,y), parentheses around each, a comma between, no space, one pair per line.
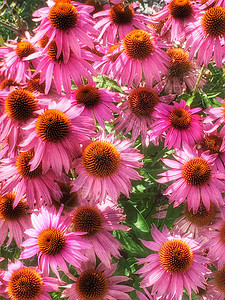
(178,263)
(177,13)
(216,286)
(131,59)
(118,21)
(15,220)
(141,296)
(198,222)
(98,283)
(96,102)
(27,283)
(216,242)
(183,73)
(36,185)
(62,70)
(20,107)
(68,24)
(196,179)
(97,221)
(16,63)
(206,36)
(56,136)
(214,142)
(179,122)
(106,167)
(216,114)
(137,112)
(51,242)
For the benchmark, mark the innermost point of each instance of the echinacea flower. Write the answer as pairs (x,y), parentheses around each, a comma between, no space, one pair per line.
(216,286)
(13,219)
(68,24)
(177,13)
(214,142)
(27,283)
(206,36)
(196,179)
(56,135)
(96,102)
(178,263)
(105,168)
(51,242)
(36,185)
(20,108)
(137,112)
(198,222)
(216,242)
(215,116)
(183,73)
(8,83)
(179,122)
(97,221)
(16,63)
(132,58)
(118,21)
(98,283)
(63,71)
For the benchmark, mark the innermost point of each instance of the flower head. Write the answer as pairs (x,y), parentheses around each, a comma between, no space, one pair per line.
(196,179)
(51,242)
(178,263)
(119,20)
(13,219)
(97,221)
(132,57)
(137,112)
(206,36)
(27,283)
(105,168)
(98,283)
(58,129)
(180,123)
(96,102)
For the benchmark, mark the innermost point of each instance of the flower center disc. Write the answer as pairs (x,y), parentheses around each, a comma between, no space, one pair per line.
(220,279)
(51,241)
(197,171)
(68,199)
(120,14)
(180,118)
(87,219)
(7,83)
(92,285)
(52,52)
(63,16)
(213,21)
(25,284)
(212,142)
(23,166)
(7,212)
(53,125)
(34,86)
(87,95)
(101,159)
(176,256)
(138,44)
(142,101)
(23,49)
(180,64)
(180,9)
(20,105)
(43,41)
(202,217)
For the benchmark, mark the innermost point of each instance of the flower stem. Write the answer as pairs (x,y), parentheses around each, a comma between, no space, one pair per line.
(198,81)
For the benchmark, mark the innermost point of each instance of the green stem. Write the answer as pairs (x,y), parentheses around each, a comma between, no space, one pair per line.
(198,81)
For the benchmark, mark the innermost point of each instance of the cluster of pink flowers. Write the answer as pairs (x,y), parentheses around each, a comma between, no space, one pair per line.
(64,165)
